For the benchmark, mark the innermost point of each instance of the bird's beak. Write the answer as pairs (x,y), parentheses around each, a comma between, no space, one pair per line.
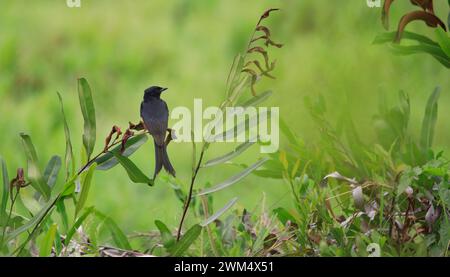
(163,89)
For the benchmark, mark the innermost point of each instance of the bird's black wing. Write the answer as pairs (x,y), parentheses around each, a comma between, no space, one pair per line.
(155,115)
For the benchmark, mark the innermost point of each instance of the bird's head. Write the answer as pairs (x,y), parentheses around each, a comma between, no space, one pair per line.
(153,91)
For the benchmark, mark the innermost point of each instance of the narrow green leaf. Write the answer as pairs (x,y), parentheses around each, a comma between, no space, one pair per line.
(61,209)
(234,73)
(236,152)
(166,236)
(108,161)
(119,237)
(85,189)
(47,242)
(443,40)
(283,215)
(429,120)
(68,157)
(219,212)
(389,37)
(5,189)
(261,97)
(34,174)
(88,111)
(77,224)
(181,246)
(51,171)
(58,243)
(435,51)
(135,174)
(234,179)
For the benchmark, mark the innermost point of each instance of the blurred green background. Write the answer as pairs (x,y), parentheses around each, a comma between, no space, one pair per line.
(122,47)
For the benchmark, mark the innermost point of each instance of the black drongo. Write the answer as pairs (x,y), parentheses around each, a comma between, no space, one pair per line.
(155,114)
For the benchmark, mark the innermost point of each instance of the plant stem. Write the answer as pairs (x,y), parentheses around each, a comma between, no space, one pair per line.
(189,197)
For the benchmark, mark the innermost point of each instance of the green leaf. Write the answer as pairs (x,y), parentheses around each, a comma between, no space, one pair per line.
(77,224)
(389,37)
(235,72)
(85,189)
(5,190)
(261,97)
(188,238)
(47,242)
(51,171)
(119,237)
(444,233)
(435,51)
(236,152)
(443,40)
(219,212)
(234,179)
(34,174)
(34,220)
(68,157)
(166,236)
(61,209)
(425,45)
(45,211)
(108,161)
(429,120)
(135,174)
(283,215)
(88,111)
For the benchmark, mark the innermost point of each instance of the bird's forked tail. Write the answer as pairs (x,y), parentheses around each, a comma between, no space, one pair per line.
(162,160)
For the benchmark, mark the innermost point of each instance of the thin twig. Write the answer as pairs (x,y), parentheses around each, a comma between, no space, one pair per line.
(189,197)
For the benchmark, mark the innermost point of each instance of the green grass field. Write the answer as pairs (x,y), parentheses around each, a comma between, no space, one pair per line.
(123,47)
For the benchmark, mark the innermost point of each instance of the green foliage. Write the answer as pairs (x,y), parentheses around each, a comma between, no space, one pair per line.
(35,175)
(135,174)
(88,111)
(183,244)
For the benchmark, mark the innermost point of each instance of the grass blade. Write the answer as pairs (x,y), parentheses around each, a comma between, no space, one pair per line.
(135,174)
(108,161)
(88,111)
(219,212)
(236,152)
(234,179)
(429,120)
(85,189)
(34,174)
(68,156)
(47,242)
(181,246)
